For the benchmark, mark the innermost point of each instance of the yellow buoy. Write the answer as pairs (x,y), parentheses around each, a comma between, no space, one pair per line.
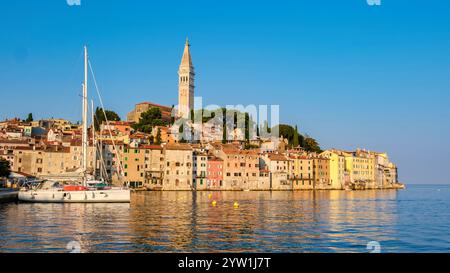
(214,203)
(236,205)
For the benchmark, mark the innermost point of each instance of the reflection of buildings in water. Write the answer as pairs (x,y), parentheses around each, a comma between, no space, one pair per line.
(225,228)
(372,211)
(186,221)
(163,221)
(50,227)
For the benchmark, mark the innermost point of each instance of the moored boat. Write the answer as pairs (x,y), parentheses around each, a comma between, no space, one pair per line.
(88,191)
(53,192)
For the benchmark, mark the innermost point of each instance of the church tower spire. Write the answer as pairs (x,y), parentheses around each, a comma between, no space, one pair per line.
(186,83)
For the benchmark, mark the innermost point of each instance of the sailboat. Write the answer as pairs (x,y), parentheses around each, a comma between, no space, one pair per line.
(90,190)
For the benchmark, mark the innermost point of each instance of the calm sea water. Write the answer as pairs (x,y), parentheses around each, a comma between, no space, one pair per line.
(413,220)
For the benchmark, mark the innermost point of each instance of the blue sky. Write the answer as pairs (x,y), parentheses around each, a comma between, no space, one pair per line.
(349,74)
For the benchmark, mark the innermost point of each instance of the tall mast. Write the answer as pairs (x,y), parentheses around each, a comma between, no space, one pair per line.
(85,116)
(94,141)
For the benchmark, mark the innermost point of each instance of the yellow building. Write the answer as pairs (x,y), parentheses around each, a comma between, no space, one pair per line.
(321,172)
(143,166)
(301,173)
(50,160)
(337,168)
(361,168)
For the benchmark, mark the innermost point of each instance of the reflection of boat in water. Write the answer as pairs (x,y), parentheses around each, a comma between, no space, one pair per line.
(56,192)
(88,191)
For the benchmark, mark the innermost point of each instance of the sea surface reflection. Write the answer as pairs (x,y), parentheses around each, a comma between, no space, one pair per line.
(413,220)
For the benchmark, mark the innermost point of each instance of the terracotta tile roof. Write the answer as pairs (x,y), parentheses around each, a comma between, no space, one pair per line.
(151,147)
(110,142)
(277,157)
(163,107)
(185,147)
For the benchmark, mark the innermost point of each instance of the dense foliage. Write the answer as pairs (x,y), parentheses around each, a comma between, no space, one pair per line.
(150,118)
(5,170)
(29,117)
(295,138)
(100,117)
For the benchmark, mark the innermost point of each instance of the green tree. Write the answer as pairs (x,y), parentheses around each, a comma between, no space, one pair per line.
(311,145)
(99,117)
(5,169)
(158,137)
(291,134)
(295,141)
(150,118)
(193,115)
(172,116)
(248,124)
(29,118)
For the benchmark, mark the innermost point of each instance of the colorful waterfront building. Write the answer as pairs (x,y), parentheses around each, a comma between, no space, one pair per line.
(179,167)
(278,166)
(301,171)
(240,167)
(321,172)
(152,166)
(336,168)
(385,171)
(361,168)
(214,174)
(200,170)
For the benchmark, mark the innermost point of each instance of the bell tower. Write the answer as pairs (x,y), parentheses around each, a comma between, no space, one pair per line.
(185,83)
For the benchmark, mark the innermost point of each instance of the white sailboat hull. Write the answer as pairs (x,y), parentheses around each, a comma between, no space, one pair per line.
(94,196)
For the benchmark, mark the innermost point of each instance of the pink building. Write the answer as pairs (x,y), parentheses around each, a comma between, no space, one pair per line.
(214,176)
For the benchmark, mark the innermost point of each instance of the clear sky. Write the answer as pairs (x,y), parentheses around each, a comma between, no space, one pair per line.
(349,74)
